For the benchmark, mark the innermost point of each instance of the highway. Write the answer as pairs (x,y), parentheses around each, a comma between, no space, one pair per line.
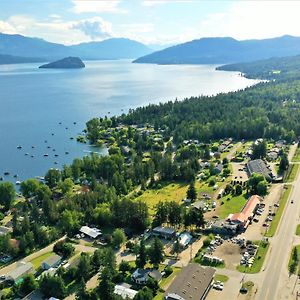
(275,271)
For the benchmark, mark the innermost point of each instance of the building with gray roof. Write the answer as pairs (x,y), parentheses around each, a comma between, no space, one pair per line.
(192,283)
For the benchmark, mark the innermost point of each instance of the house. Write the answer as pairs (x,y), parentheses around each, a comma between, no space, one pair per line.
(258,166)
(92,233)
(164,232)
(125,291)
(212,259)
(224,228)
(140,276)
(20,271)
(51,262)
(5,230)
(272,155)
(243,218)
(184,239)
(192,283)
(155,274)
(200,205)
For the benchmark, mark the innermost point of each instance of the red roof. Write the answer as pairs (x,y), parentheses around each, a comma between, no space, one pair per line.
(247,211)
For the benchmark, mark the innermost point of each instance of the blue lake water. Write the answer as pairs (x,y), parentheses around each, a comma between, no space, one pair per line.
(34,101)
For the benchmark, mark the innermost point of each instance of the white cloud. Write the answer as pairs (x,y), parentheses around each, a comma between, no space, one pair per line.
(94,28)
(160,2)
(97,6)
(5,27)
(253,19)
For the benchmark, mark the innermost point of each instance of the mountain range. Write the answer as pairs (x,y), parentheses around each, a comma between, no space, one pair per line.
(224,50)
(38,49)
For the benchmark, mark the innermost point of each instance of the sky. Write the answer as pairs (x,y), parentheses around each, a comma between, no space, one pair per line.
(157,22)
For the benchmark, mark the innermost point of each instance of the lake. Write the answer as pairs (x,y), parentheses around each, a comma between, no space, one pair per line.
(33,103)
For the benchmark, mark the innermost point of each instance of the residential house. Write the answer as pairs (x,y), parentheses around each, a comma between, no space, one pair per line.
(258,166)
(125,291)
(20,271)
(164,232)
(92,233)
(52,261)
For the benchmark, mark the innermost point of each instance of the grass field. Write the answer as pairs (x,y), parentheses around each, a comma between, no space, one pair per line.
(283,200)
(234,205)
(258,261)
(296,157)
(222,278)
(37,262)
(298,229)
(169,192)
(292,172)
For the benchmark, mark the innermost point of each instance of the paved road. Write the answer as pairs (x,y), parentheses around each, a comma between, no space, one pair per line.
(276,267)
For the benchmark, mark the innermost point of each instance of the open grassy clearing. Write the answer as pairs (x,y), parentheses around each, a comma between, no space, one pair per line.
(296,157)
(233,205)
(258,261)
(276,219)
(222,278)
(292,173)
(37,262)
(298,229)
(168,192)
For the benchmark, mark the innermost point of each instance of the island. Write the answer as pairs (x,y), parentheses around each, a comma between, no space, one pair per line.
(65,63)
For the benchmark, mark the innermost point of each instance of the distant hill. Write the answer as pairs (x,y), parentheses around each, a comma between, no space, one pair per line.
(10,59)
(224,50)
(115,48)
(18,45)
(280,68)
(65,63)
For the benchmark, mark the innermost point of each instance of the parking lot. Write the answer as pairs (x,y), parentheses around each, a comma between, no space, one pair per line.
(239,172)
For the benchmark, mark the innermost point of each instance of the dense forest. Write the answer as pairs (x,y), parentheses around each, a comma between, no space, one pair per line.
(278,68)
(269,110)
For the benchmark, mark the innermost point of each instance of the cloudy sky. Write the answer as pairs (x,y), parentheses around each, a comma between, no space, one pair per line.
(148,21)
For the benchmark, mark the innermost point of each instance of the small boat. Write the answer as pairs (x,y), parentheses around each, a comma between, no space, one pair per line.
(19,147)
(55,162)
(16,175)
(52,133)
(67,128)
(55,155)
(74,123)
(46,154)
(48,147)
(53,149)
(40,177)
(32,147)
(32,156)
(26,153)
(66,152)
(6,173)
(1,178)
(46,141)
(71,138)
(18,182)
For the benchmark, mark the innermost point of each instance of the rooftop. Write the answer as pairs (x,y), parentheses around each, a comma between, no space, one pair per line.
(52,260)
(125,292)
(21,269)
(191,283)
(91,232)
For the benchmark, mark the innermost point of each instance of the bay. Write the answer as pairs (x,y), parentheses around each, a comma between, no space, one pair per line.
(33,103)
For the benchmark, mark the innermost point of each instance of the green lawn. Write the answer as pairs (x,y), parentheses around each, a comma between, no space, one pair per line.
(37,262)
(296,157)
(258,261)
(168,192)
(165,282)
(222,278)
(298,229)
(292,261)
(233,205)
(292,173)
(283,200)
